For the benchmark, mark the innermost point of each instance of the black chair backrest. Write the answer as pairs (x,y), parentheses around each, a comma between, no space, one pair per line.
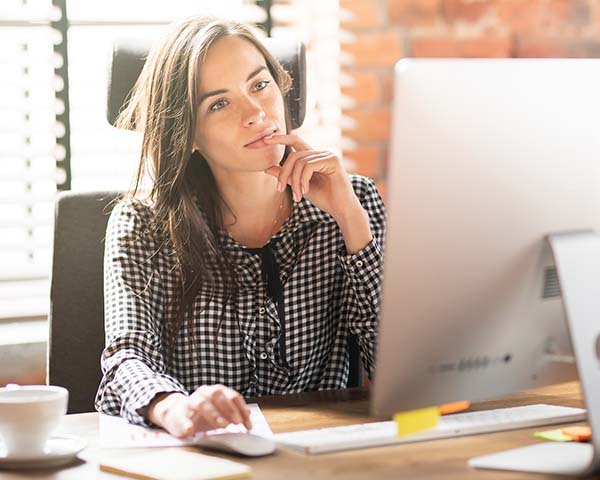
(129,56)
(76,297)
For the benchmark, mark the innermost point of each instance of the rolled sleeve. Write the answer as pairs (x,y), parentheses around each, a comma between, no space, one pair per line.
(363,270)
(363,273)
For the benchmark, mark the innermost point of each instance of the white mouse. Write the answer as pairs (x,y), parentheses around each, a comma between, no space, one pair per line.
(240,443)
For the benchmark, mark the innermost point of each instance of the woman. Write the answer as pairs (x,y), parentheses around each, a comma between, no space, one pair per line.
(253,257)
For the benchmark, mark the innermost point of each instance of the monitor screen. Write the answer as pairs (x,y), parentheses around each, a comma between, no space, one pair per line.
(487,158)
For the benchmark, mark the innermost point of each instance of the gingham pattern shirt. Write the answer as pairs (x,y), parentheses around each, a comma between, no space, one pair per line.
(328,295)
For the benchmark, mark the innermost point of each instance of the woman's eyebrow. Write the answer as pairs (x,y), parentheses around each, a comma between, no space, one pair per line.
(254,72)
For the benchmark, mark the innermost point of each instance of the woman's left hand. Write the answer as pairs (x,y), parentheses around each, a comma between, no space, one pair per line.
(318,175)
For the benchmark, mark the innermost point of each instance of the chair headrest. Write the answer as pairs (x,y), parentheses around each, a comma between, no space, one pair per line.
(129,56)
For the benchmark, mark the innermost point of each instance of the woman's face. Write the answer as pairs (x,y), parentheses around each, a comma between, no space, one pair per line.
(239,102)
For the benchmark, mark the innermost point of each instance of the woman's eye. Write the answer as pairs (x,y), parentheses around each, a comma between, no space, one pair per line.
(217,105)
(262,84)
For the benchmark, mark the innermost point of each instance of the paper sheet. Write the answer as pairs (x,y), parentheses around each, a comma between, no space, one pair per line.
(116,432)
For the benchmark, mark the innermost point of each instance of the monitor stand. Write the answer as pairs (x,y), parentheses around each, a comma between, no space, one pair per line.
(577,260)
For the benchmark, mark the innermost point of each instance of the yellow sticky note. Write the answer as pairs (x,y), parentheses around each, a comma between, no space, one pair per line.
(553,436)
(415,421)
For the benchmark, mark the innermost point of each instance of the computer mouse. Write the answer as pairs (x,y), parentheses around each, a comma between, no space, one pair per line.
(241,443)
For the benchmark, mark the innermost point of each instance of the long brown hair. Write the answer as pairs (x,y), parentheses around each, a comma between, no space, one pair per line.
(185,199)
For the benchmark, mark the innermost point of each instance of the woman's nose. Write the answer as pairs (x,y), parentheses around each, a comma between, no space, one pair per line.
(253,113)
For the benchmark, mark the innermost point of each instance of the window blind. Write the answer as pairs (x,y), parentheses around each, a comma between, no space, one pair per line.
(28,130)
(102,157)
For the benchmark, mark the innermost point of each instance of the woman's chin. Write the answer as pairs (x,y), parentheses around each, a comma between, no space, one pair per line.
(273,156)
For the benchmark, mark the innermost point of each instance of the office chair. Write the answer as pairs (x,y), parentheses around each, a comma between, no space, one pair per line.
(77,298)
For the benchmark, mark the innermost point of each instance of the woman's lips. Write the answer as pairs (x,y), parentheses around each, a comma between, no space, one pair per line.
(260,143)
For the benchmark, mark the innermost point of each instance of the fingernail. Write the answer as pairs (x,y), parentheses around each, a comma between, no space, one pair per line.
(248,425)
(221,421)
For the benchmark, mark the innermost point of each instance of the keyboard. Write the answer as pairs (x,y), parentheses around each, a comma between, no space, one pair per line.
(376,434)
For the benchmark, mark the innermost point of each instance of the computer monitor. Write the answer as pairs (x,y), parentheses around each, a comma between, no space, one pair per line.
(487,158)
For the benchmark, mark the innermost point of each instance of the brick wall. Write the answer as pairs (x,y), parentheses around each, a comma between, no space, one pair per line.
(376,33)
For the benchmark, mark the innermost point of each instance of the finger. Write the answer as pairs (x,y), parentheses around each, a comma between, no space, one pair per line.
(295,178)
(244,410)
(292,139)
(180,426)
(180,421)
(288,168)
(212,416)
(274,171)
(307,174)
(197,398)
(327,163)
(299,168)
(202,412)
(227,409)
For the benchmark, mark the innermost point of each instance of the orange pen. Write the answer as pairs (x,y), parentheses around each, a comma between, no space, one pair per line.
(578,434)
(454,407)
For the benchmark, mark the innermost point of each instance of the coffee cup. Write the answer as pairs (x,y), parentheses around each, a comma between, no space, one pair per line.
(28,416)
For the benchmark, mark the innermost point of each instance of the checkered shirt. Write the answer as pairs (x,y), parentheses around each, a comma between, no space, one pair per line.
(329,294)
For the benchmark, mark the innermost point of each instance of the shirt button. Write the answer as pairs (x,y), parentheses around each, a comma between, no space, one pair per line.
(359,263)
(261,310)
(264,356)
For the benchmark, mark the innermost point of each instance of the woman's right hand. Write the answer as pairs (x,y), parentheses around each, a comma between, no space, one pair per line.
(208,408)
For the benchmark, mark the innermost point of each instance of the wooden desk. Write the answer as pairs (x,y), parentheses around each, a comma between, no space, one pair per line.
(443,459)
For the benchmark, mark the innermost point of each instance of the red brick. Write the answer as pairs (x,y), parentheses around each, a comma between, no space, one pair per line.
(544,47)
(465,10)
(374,49)
(386,159)
(372,124)
(434,47)
(488,47)
(388,87)
(366,87)
(479,47)
(411,13)
(360,14)
(567,16)
(366,160)
(521,16)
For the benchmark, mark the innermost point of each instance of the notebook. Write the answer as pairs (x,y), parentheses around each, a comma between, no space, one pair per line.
(173,464)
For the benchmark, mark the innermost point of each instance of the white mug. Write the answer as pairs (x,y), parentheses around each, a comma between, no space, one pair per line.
(28,416)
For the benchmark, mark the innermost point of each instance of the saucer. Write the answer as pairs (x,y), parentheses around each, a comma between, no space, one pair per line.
(58,451)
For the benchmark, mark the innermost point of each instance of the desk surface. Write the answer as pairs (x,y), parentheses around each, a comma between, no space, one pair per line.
(443,459)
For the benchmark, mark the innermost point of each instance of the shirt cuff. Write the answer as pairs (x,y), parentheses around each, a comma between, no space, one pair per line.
(364,263)
(135,408)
